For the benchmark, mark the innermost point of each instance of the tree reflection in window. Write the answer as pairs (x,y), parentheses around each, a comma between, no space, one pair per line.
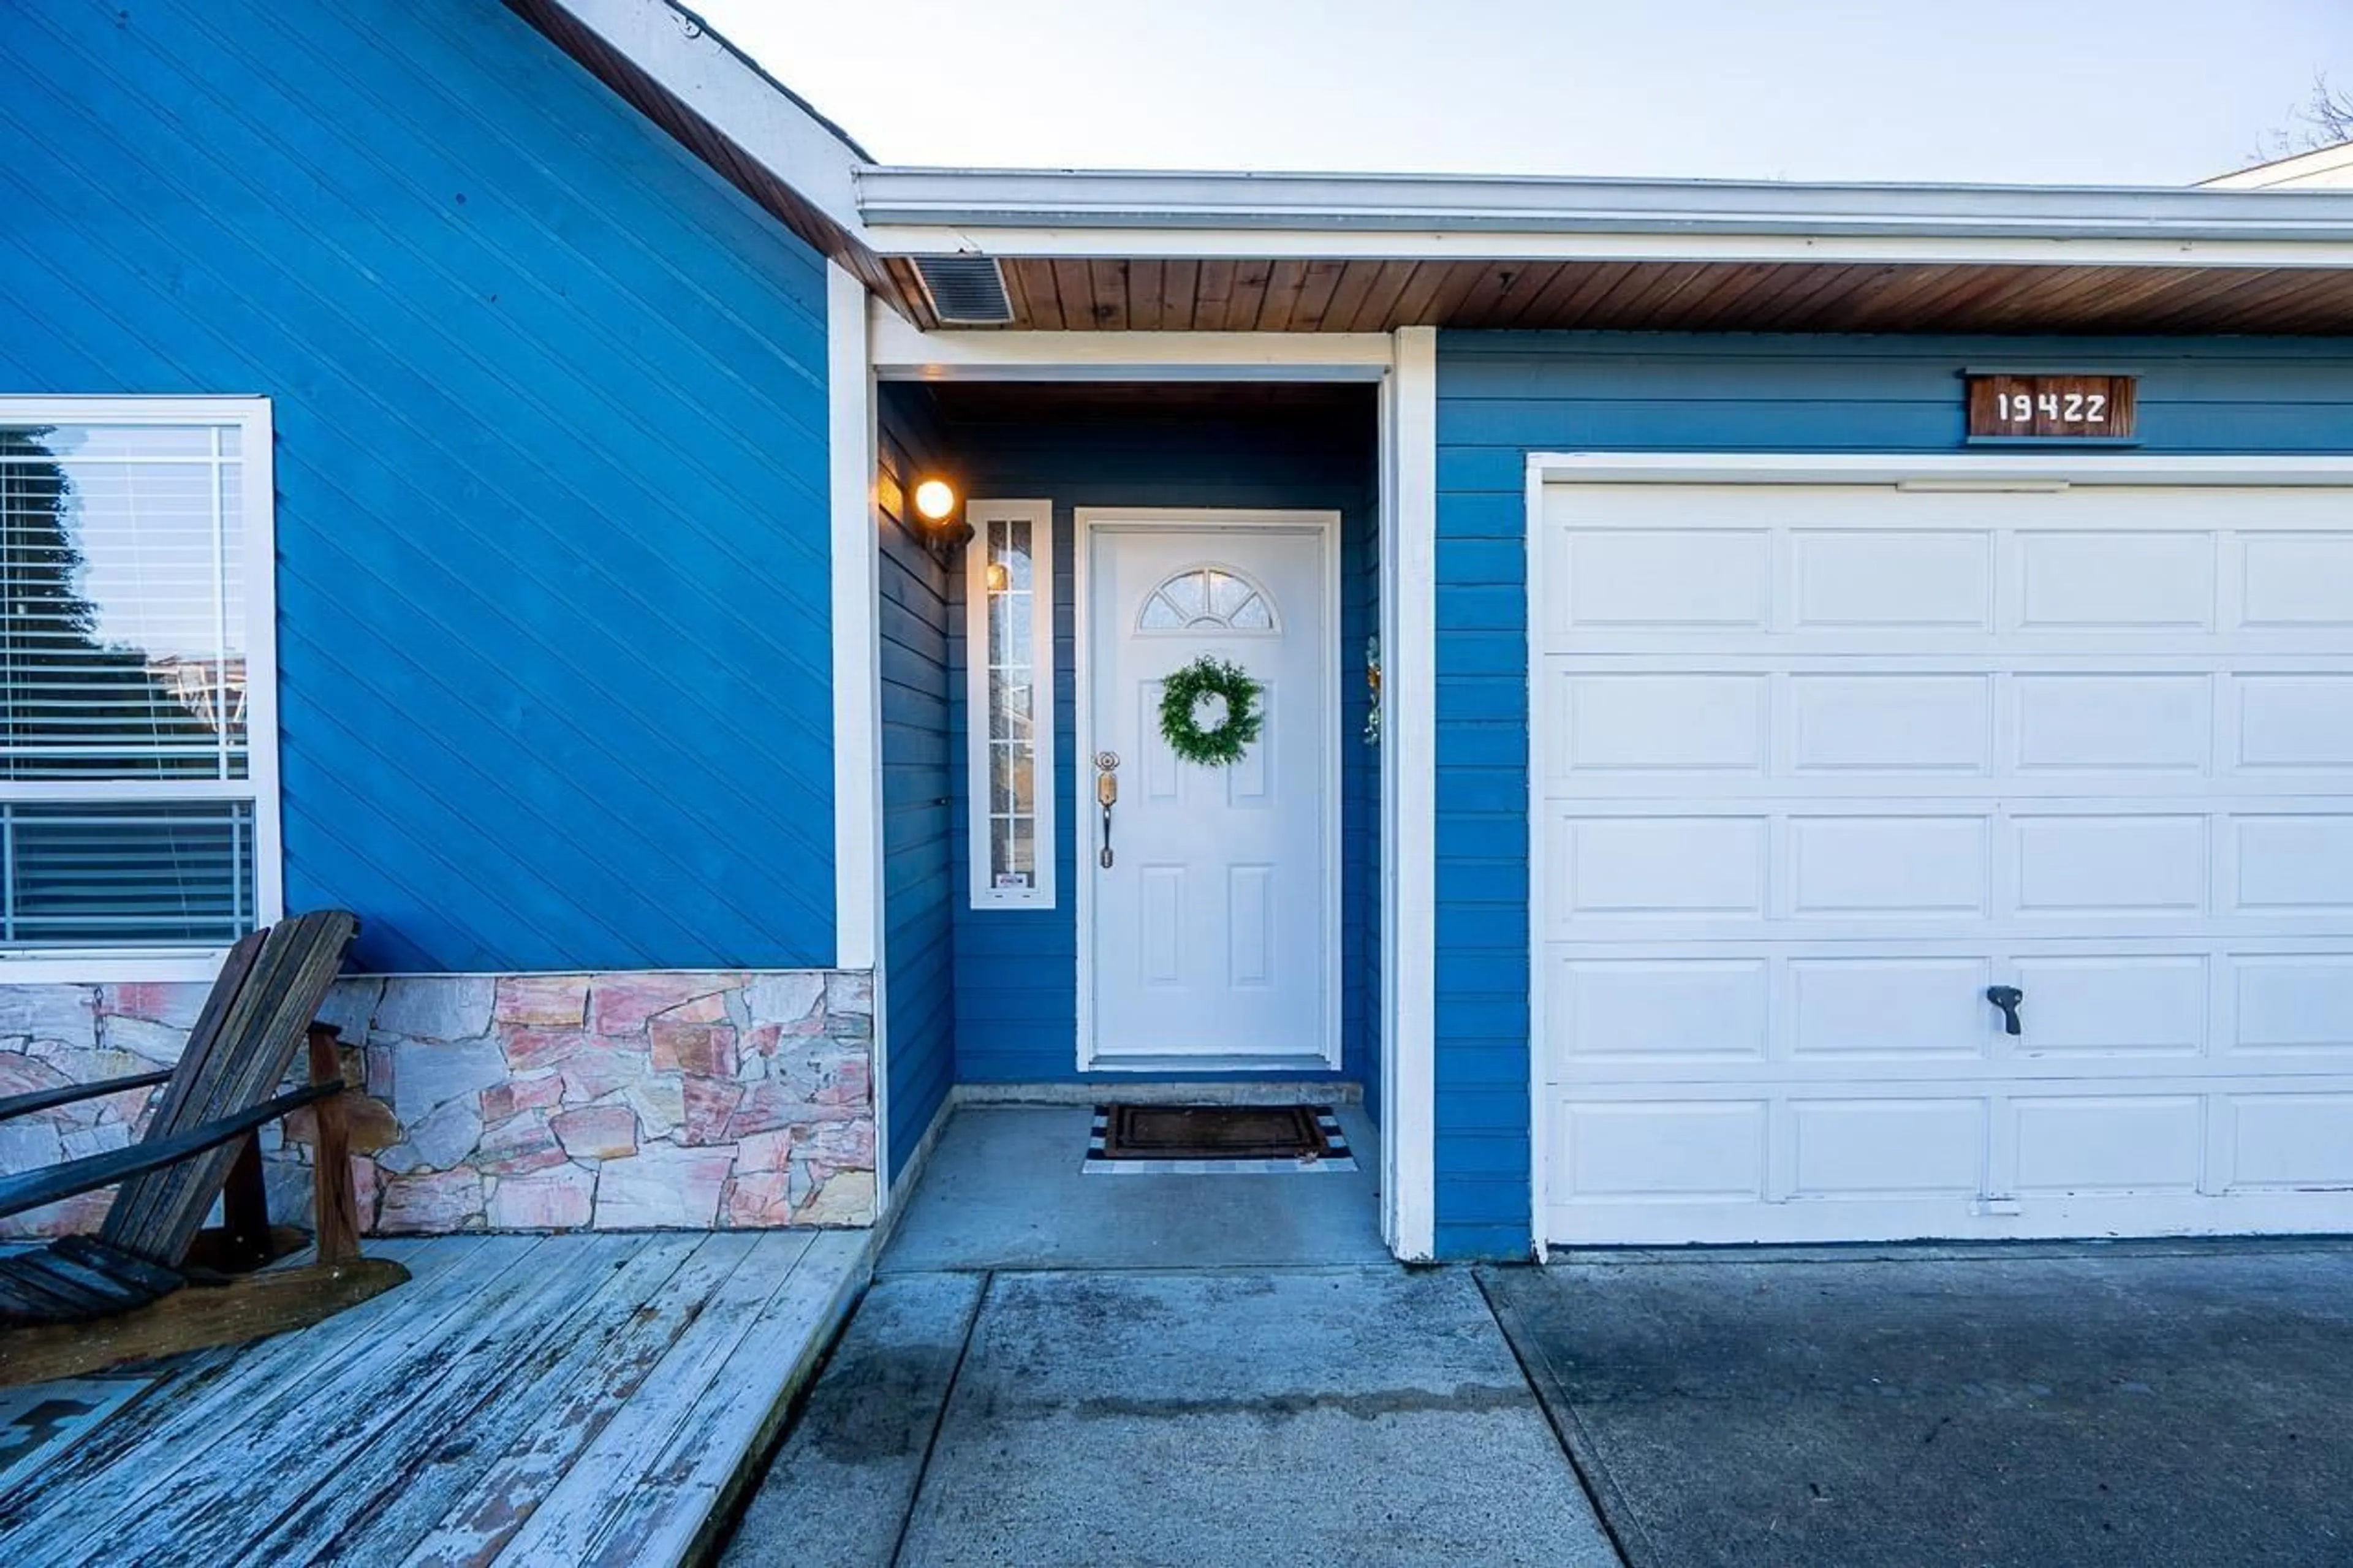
(1208,598)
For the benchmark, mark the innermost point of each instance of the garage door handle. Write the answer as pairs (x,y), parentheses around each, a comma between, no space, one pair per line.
(2006,998)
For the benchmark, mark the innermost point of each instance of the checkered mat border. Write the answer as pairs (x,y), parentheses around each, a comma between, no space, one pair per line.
(1335,1160)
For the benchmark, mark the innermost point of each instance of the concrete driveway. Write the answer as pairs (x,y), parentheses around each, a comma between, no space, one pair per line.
(2126,1403)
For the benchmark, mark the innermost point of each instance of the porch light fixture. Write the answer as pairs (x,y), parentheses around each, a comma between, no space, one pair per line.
(939,508)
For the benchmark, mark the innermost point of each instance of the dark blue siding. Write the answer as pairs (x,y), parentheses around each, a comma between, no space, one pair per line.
(1502,395)
(1017,971)
(919,881)
(550,409)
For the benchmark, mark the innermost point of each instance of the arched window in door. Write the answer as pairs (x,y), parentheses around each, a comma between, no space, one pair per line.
(1209,599)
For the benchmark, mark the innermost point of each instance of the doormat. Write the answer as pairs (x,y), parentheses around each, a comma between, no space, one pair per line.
(1217,1140)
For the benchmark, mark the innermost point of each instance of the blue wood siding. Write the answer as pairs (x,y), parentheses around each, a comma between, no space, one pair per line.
(550,405)
(921,881)
(1016,970)
(1502,395)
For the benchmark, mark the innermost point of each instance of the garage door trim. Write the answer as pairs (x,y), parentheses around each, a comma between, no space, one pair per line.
(1956,471)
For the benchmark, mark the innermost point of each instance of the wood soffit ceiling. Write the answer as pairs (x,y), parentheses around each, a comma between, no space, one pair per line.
(1372,295)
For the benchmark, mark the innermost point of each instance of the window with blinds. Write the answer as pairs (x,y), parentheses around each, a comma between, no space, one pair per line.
(130,817)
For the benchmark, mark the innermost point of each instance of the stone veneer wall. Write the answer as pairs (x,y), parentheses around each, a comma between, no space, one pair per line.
(691,1099)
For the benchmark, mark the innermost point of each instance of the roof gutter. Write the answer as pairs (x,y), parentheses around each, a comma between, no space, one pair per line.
(1013,212)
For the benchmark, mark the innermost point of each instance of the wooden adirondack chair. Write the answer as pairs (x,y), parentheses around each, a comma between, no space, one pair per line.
(131,1291)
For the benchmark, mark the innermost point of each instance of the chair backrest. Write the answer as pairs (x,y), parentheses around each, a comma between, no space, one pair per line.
(243,1042)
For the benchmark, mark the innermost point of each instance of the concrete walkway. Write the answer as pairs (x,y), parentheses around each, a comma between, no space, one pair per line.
(1128,1372)
(1194,1419)
(2149,1404)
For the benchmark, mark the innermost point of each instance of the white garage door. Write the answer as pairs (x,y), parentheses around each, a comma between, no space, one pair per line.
(1817,765)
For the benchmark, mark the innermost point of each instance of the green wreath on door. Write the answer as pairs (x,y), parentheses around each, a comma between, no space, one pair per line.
(1182,695)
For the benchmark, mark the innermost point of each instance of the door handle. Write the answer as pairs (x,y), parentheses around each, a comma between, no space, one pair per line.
(2009,998)
(1106,797)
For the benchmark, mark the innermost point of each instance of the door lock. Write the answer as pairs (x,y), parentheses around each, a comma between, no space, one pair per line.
(2008,998)
(1107,796)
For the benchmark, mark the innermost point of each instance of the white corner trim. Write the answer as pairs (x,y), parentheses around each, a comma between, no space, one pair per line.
(1539,743)
(905,353)
(1039,516)
(1981,468)
(676,51)
(857,647)
(1409,785)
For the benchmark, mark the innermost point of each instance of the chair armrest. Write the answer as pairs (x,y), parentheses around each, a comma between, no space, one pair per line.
(50,1099)
(32,1188)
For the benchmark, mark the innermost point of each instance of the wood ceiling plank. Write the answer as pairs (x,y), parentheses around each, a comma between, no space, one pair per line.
(2195,300)
(1729,296)
(1144,293)
(1075,283)
(1421,289)
(1500,290)
(1249,296)
(1213,301)
(1179,286)
(1314,301)
(1109,280)
(1017,292)
(1348,295)
(1285,282)
(1042,293)
(1378,313)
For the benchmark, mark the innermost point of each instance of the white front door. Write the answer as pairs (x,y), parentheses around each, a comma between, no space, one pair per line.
(1211,930)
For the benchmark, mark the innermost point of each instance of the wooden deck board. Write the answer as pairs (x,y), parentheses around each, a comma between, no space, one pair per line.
(570,1527)
(85,1487)
(523,1399)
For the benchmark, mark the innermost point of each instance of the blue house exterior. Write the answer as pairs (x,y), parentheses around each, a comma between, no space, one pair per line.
(602,660)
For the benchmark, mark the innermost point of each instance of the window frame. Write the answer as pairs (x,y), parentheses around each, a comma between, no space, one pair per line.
(1040,515)
(257,495)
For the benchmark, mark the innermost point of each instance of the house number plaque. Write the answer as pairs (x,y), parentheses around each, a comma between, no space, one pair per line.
(2069,407)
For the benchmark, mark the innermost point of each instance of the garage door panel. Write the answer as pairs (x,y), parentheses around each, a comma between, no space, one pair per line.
(2116,580)
(1883,1148)
(1663,1151)
(2291,1005)
(1619,1011)
(2288,1141)
(2300,722)
(2295,582)
(2116,1143)
(1888,866)
(2113,1005)
(1662,867)
(1887,1010)
(1889,723)
(1916,580)
(1659,724)
(2081,864)
(2293,863)
(2110,722)
(1823,764)
(1683,579)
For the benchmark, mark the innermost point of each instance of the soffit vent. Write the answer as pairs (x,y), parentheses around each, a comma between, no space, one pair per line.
(966,290)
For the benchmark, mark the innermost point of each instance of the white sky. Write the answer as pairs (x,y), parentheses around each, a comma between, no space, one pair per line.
(2098,92)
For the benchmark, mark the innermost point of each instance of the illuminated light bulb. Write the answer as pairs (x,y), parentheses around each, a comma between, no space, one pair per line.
(935,500)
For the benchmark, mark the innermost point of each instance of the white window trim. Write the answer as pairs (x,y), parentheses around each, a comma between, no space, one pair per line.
(259,492)
(1039,516)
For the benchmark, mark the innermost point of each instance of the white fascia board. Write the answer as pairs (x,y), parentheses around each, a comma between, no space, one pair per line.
(901,351)
(1078,213)
(783,135)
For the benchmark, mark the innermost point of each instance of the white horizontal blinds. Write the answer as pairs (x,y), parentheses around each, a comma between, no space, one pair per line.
(104,874)
(124,816)
(1013,729)
(122,648)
